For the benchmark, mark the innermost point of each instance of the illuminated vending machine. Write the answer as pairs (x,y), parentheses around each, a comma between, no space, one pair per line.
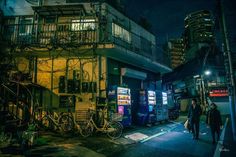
(165,115)
(161,109)
(147,106)
(151,106)
(159,105)
(119,100)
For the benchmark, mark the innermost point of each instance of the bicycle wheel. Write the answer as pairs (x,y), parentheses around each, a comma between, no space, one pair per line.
(114,130)
(86,130)
(66,123)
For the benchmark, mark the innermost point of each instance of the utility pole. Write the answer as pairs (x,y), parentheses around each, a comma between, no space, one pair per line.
(229,69)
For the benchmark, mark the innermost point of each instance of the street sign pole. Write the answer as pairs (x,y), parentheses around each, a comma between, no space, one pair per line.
(229,69)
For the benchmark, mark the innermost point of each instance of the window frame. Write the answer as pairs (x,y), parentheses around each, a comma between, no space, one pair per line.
(27,27)
(121,33)
(83,24)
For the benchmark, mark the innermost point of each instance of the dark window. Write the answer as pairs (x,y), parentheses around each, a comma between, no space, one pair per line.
(25,26)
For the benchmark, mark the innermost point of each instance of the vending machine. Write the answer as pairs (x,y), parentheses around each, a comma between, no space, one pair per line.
(119,102)
(162,108)
(147,107)
(165,106)
(164,98)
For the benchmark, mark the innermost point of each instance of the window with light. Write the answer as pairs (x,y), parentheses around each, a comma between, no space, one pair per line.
(119,32)
(83,24)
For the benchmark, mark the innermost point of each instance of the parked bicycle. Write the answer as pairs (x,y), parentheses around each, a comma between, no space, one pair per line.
(57,122)
(75,126)
(113,129)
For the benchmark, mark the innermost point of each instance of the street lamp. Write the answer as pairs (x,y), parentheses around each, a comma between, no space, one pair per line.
(204,99)
(207,72)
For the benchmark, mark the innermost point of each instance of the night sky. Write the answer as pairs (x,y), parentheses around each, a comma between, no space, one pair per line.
(167,16)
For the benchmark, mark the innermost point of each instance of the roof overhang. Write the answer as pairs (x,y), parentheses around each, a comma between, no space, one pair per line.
(123,55)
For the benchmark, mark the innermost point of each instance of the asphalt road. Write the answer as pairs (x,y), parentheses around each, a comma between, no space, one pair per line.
(175,143)
(168,139)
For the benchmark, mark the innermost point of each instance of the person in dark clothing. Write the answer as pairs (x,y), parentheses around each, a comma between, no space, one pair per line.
(213,119)
(194,114)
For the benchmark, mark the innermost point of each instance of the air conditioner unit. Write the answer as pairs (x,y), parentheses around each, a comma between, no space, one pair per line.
(133,73)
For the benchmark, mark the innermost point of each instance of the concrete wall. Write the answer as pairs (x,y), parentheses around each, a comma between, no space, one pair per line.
(88,67)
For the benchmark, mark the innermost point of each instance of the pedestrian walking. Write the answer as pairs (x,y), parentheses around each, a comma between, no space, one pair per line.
(213,119)
(194,114)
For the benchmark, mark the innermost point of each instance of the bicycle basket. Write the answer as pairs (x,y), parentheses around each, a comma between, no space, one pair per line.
(82,115)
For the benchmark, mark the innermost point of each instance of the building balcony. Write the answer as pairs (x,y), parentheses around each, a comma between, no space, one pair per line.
(136,49)
(66,35)
(43,35)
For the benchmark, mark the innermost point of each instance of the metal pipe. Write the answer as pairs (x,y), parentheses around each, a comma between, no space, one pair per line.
(66,75)
(35,69)
(99,74)
(51,93)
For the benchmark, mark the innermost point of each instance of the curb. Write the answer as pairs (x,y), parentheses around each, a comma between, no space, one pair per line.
(219,146)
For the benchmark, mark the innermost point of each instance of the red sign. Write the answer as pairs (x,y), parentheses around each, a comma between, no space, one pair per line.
(218,92)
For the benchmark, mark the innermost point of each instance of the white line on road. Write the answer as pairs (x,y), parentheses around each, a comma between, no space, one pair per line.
(153,136)
(158,134)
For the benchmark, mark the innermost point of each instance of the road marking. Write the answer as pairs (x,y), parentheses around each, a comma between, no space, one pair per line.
(153,136)
(203,133)
(176,122)
(158,134)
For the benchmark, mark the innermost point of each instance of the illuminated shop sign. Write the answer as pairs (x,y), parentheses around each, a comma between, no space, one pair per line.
(218,92)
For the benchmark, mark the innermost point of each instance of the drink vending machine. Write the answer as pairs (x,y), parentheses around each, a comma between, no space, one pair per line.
(147,107)
(162,108)
(165,106)
(119,102)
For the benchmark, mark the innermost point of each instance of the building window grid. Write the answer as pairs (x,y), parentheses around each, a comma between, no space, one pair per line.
(119,32)
(25,26)
(83,24)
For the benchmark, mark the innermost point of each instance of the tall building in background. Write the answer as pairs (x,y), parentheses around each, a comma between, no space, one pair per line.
(199,28)
(198,33)
(176,50)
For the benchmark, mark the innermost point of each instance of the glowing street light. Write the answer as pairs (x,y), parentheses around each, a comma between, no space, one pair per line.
(207,72)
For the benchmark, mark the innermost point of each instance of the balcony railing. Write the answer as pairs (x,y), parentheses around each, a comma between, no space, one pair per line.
(46,34)
(64,35)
